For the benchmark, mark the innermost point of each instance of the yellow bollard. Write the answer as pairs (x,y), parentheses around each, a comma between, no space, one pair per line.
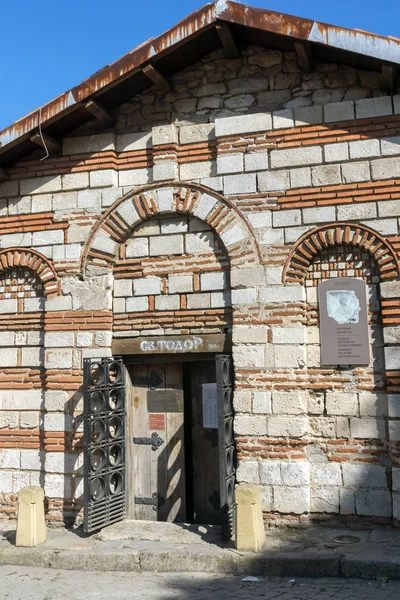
(31,528)
(250,532)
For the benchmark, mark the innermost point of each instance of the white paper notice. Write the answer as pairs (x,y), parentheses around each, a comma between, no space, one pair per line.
(210,406)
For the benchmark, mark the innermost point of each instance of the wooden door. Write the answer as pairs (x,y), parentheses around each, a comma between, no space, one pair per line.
(155,408)
(205,465)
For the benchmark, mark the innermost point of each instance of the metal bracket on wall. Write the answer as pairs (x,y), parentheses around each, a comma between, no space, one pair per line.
(155,501)
(154,441)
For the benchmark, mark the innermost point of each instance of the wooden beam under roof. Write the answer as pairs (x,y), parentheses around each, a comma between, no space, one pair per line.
(100,113)
(3,174)
(304,55)
(389,78)
(227,40)
(46,142)
(156,77)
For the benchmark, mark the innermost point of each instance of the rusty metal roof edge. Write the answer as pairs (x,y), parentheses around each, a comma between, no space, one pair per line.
(386,49)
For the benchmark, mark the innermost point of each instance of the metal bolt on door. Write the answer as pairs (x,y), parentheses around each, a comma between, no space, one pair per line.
(226,444)
(104,436)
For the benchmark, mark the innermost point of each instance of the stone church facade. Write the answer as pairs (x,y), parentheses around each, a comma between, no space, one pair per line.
(213,204)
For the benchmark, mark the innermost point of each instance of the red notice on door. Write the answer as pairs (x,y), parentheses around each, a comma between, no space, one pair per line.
(157,421)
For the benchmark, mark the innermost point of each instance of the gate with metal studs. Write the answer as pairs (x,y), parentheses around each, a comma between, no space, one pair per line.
(226,444)
(104,435)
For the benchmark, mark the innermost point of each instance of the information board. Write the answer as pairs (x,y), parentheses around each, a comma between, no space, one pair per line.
(343,313)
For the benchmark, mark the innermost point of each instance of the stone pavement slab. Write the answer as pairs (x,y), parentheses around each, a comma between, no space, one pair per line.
(141,546)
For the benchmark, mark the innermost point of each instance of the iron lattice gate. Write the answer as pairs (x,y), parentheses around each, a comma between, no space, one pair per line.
(104,435)
(226,444)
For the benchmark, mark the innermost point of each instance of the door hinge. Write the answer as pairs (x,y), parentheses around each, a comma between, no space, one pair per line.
(154,441)
(155,501)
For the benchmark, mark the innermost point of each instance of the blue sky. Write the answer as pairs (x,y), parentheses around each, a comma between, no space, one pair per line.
(48,47)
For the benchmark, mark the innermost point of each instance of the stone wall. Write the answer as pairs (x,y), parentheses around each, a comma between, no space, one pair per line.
(218,219)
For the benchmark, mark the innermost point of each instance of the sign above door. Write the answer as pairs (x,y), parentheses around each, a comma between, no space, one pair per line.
(171,344)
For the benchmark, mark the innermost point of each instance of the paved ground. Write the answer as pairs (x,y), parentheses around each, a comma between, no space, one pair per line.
(21,583)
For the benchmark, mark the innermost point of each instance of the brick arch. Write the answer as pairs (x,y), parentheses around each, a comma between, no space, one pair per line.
(31,259)
(360,236)
(116,225)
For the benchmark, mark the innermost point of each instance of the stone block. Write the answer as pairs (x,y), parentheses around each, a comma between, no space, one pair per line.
(296,157)
(326,175)
(256,161)
(396,479)
(92,143)
(288,335)
(290,357)
(249,334)
(103,178)
(368,428)
(213,281)
(373,107)
(134,177)
(165,134)
(214,183)
(250,425)
(241,401)
(375,404)
(290,403)
(325,500)
(200,243)
(288,293)
(180,284)
(300,177)
(365,148)
(355,172)
(59,339)
(286,218)
(15,239)
(326,474)
(84,339)
(283,119)
(229,163)
(347,502)
(247,276)
(291,500)
(233,235)
(128,212)
(296,473)
(103,338)
(392,357)
(393,401)
(57,486)
(240,184)
(220,299)
(339,111)
(41,203)
(194,133)
(273,237)
(165,170)
(394,431)
(243,124)
(75,181)
(167,302)
(341,403)
(390,289)
(174,225)
(249,356)
(134,141)
(356,211)
(244,296)
(58,359)
(59,303)
(390,145)
(383,226)
(247,472)
(271,181)
(338,152)
(270,472)
(374,503)
(40,185)
(321,214)
(10,459)
(32,357)
(29,420)
(294,233)
(166,245)
(364,476)
(198,301)
(8,357)
(385,168)
(8,306)
(137,304)
(287,427)
(261,402)
(197,170)
(147,286)
(33,304)
(137,247)
(89,199)
(308,115)
(260,219)
(204,206)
